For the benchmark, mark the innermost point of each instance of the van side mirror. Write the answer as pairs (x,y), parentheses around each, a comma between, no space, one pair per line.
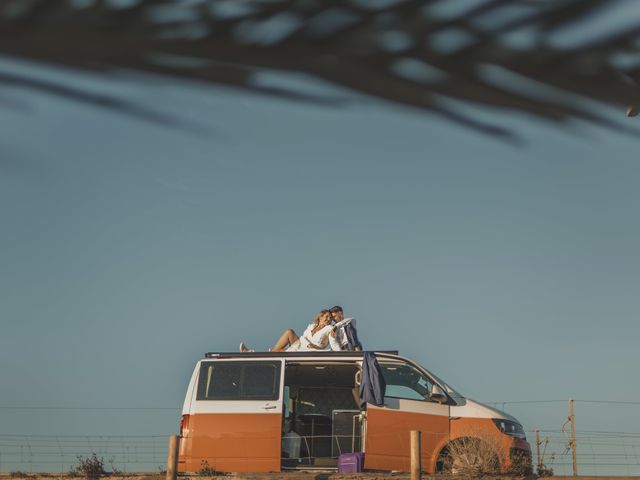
(437,395)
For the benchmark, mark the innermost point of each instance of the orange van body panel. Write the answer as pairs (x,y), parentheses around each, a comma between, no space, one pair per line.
(231,442)
(473,427)
(388,439)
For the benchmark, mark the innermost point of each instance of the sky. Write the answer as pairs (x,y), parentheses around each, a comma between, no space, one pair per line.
(129,249)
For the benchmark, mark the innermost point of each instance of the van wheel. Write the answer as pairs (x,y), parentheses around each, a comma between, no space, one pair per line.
(468,456)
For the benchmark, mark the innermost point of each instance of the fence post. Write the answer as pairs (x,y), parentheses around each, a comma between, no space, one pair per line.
(172,458)
(572,442)
(416,458)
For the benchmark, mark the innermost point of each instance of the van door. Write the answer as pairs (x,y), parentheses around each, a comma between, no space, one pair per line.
(407,407)
(236,420)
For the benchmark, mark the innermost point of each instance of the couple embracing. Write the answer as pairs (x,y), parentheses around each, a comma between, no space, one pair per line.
(322,334)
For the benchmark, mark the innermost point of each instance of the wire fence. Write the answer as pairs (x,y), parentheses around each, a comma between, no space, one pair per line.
(598,451)
(606,451)
(59,453)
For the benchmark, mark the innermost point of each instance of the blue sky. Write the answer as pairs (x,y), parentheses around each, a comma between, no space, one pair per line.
(129,249)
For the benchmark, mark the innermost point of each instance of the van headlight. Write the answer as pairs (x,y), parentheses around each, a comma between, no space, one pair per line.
(509,427)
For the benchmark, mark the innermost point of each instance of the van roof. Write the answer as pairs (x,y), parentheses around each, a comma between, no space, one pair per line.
(323,353)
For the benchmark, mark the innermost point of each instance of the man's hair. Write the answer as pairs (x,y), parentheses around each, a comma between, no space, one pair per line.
(337,308)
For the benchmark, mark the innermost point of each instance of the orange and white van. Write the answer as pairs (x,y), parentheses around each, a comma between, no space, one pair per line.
(272,411)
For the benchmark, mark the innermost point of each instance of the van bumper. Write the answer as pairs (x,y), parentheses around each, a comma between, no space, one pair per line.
(520,457)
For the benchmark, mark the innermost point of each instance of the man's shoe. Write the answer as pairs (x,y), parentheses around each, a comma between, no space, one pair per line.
(244,349)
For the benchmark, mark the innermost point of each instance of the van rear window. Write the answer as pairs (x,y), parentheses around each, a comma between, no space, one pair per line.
(239,381)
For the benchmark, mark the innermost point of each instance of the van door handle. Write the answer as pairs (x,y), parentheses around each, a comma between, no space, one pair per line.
(269,407)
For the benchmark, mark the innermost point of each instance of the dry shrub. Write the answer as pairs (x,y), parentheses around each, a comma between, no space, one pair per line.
(206,470)
(475,455)
(544,471)
(89,467)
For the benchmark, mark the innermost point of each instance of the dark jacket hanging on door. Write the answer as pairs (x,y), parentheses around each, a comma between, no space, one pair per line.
(372,385)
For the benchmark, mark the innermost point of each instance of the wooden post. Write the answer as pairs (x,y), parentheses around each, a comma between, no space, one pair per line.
(416,458)
(172,458)
(538,457)
(572,442)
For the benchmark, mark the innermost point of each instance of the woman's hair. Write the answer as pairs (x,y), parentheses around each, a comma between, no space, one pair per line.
(316,320)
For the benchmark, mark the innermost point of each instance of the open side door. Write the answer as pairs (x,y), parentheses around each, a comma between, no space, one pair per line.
(407,407)
(236,420)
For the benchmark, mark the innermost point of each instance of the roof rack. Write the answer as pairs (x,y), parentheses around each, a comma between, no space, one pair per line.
(321,353)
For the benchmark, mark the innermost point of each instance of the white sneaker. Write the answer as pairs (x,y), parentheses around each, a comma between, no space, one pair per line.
(244,349)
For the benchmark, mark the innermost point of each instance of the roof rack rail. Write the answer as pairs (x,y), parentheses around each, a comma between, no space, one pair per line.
(322,353)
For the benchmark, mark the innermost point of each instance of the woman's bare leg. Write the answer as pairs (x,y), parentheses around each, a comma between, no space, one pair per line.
(287,338)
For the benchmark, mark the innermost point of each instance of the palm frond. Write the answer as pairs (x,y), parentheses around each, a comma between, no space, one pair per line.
(531,56)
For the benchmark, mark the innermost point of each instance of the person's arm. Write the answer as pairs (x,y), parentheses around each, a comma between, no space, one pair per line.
(321,345)
(322,338)
(313,346)
(334,339)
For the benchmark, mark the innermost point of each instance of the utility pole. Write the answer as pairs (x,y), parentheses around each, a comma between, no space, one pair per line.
(572,441)
(538,457)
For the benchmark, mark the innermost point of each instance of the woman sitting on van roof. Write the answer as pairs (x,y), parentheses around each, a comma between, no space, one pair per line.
(315,337)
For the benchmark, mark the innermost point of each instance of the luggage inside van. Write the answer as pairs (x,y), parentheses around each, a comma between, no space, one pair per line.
(350,462)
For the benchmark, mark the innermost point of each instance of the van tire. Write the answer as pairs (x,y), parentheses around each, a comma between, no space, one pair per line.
(468,456)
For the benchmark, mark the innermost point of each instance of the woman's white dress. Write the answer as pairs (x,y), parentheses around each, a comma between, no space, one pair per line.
(320,338)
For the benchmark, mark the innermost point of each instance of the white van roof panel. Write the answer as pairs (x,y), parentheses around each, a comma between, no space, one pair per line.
(322,353)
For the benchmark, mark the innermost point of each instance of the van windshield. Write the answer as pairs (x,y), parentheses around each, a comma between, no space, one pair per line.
(458,398)
(405,380)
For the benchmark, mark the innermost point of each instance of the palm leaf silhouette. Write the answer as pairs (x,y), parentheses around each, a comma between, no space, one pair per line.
(532,56)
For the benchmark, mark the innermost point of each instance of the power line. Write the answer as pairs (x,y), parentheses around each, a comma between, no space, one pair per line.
(585,434)
(21,435)
(615,402)
(513,402)
(509,402)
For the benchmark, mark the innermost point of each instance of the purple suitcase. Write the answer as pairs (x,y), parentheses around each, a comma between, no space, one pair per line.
(350,462)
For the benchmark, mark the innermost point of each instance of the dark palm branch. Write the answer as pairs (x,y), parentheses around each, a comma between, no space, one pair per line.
(532,56)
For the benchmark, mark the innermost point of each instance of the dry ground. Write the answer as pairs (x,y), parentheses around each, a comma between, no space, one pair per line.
(285,476)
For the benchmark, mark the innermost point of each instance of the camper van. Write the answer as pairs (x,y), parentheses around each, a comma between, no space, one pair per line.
(275,411)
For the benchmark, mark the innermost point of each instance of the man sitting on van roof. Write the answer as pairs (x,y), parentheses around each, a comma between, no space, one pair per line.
(346,335)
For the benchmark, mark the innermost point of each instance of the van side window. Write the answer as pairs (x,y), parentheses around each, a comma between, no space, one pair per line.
(239,381)
(404,381)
